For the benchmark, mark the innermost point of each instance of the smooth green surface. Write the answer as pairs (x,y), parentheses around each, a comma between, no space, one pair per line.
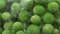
(2,4)
(20,32)
(48,18)
(17,26)
(8,25)
(47,29)
(53,7)
(27,4)
(39,10)
(6,15)
(33,29)
(24,16)
(35,19)
(6,32)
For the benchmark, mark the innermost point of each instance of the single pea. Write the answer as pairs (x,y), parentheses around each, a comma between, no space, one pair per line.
(48,18)
(8,25)
(20,32)
(39,10)
(6,16)
(27,4)
(33,29)
(6,32)
(24,16)
(15,8)
(53,7)
(35,19)
(17,26)
(47,29)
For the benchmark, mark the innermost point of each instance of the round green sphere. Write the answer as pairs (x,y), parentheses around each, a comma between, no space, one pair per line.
(53,7)
(20,32)
(35,19)
(33,29)
(24,16)
(17,26)
(15,8)
(39,10)
(27,4)
(8,25)
(56,31)
(6,32)
(2,4)
(48,18)
(47,29)
(6,16)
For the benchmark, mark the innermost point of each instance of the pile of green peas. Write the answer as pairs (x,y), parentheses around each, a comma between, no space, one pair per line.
(29,16)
